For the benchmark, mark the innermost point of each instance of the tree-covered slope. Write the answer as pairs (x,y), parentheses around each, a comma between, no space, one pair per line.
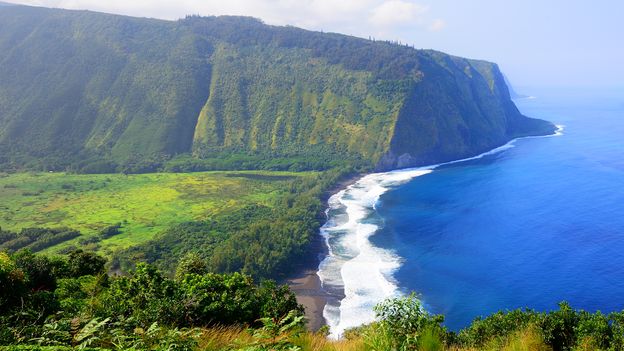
(89,91)
(79,82)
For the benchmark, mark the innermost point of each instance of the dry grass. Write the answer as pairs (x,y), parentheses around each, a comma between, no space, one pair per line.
(224,338)
(587,344)
(233,338)
(526,340)
(319,342)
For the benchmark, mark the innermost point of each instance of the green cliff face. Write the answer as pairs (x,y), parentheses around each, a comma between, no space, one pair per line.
(86,86)
(459,109)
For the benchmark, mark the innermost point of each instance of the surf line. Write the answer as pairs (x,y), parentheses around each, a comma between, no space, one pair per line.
(354,268)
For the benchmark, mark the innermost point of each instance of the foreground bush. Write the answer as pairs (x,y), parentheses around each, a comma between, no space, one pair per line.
(402,324)
(69,302)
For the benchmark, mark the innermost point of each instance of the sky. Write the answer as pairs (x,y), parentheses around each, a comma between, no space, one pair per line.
(552,43)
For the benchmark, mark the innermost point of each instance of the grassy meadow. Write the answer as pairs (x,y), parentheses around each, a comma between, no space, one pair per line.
(144,204)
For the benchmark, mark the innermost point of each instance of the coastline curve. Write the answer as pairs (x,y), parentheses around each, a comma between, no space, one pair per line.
(354,269)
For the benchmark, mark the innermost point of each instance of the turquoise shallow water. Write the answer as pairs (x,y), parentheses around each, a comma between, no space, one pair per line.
(530,226)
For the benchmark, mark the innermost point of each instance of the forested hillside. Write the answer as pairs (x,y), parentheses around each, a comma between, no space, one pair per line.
(93,92)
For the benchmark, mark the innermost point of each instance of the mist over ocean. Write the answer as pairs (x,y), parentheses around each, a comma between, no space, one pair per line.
(531,225)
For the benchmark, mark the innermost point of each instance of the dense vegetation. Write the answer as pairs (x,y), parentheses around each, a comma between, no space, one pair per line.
(403,324)
(259,223)
(35,239)
(141,205)
(96,93)
(257,240)
(67,302)
(70,301)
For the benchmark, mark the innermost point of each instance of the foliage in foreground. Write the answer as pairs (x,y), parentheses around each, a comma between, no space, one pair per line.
(404,325)
(69,302)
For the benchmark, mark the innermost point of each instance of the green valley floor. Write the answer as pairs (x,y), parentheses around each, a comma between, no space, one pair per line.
(144,204)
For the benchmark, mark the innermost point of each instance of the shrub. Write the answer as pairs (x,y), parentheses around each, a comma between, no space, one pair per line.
(559,327)
(404,324)
(82,263)
(110,231)
(496,326)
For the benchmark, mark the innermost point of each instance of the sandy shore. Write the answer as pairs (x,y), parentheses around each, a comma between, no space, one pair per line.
(307,287)
(310,294)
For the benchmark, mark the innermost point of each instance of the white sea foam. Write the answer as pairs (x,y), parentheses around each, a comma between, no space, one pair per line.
(362,270)
(354,265)
(529,97)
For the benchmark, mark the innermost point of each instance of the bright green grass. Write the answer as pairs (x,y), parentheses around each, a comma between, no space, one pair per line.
(145,204)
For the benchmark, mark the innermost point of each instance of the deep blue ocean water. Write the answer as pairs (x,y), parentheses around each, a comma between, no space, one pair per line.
(534,225)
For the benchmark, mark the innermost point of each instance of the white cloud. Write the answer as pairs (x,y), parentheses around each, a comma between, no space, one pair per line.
(437,25)
(397,12)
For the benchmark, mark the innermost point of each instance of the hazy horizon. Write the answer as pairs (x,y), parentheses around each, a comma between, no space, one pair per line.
(558,44)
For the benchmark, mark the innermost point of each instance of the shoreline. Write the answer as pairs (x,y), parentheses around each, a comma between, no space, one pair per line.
(307,285)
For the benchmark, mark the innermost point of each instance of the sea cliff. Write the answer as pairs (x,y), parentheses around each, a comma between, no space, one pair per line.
(115,91)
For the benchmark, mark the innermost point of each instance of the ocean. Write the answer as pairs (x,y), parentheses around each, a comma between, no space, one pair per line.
(530,224)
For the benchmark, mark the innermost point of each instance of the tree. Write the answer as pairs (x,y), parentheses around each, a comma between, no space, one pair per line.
(12,281)
(39,271)
(145,296)
(82,263)
(403,321)
(191,263)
